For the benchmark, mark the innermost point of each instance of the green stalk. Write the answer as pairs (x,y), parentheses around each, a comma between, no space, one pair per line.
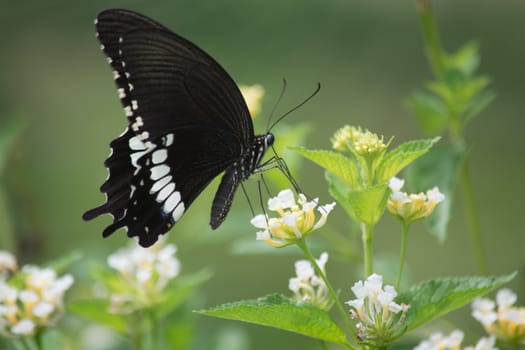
(402,253)
(368,237)
(473,220)
(302,244)
(431,36)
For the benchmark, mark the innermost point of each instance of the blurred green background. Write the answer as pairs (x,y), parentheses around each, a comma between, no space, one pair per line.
(368,55)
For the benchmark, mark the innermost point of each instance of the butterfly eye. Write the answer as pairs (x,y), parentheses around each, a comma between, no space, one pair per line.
(269,139)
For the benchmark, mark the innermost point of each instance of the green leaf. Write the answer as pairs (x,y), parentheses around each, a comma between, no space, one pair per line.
(478,104)
(440,167)
(335,162)
(339,190)
(395,160)
(466,58)
(281,312)
(435,298)
(369,204)
(430,111)
(179,290)
(97,310)
(62,263)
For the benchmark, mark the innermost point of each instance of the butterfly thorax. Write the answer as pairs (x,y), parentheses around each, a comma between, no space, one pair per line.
(251,158)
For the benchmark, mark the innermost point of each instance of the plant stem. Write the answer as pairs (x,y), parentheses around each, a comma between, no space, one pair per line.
(302,244)
(431,36)
(473,220)
(368,237)
(402,253)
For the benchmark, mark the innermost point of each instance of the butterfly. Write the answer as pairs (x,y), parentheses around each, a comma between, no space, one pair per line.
(187,123)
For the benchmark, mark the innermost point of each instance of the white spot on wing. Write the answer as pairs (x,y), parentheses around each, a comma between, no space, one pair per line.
(128,111)
(160,184)
(159,171)
(137,124)
(178,212)
(169,139)
(121,93)
(171,202)
(134,105)
(136,144)
(159,156)
(116,75)
(165,192)
(130,86)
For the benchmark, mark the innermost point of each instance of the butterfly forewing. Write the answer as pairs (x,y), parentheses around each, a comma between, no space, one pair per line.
(188,122)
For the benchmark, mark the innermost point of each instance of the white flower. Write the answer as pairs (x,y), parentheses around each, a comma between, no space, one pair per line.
(24,327)
(144,273)
(484,344)
(396,184)
(37,302)
(414,206)
(297,219)
(43,309)
(377,311)
(507,323)
(8,263)
(307,286)
(438,341)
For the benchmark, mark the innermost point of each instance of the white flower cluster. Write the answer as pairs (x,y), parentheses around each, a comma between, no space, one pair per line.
(412,207)
(438,341)
(377,311)
(296,219)
(144,272)
(507,322)
(307,286)
(34,301)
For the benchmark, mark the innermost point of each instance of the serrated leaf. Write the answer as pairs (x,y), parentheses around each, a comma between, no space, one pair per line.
(440,167)
(435,298)
(278,311)
(397,159)
(430,111)
(369,204)
(97,310)
(334,162)
(339,191)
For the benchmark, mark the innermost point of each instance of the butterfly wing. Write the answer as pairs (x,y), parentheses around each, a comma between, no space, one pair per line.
(188,122)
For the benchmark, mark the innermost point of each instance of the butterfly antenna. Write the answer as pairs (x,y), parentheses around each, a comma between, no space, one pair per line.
(296,107)
(283,89)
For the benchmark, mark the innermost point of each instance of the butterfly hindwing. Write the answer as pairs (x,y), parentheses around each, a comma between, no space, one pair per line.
(188,122)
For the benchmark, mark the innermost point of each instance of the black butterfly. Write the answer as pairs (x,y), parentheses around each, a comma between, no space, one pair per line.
(188,122)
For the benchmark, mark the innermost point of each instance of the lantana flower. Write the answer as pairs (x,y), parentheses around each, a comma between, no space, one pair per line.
(253,95)
(507,322)
(295,221)
(381,319)
(411,207)
(438,341)
(8,264)
(143,273)
(307,286)
(362,142)
(31,299)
